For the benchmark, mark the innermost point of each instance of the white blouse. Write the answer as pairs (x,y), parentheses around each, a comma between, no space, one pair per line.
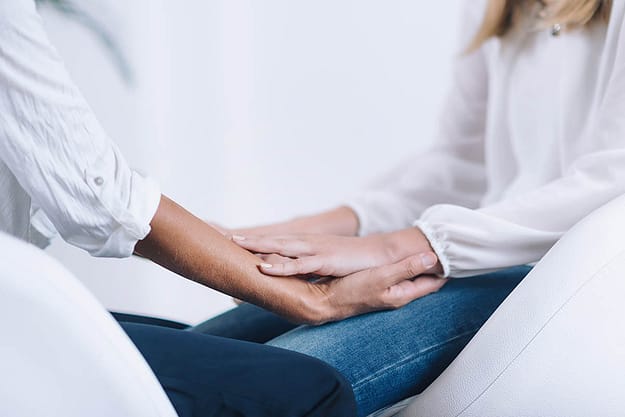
(531,140)
(55,157)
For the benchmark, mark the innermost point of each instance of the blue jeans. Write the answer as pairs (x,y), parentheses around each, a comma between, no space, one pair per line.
(386,356)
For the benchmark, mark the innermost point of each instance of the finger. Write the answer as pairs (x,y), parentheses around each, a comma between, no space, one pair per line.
(299,266)
(407,291)
(408,268)
(285,246)
(272,258)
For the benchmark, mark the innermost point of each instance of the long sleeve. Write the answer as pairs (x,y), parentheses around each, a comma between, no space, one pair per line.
(52,143)
(452,171)
(521,228)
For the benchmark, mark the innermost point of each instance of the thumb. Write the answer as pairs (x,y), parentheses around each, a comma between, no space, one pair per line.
(406,269)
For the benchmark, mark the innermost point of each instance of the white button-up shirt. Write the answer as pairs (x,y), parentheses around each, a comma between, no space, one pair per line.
(55,158)
(531,140)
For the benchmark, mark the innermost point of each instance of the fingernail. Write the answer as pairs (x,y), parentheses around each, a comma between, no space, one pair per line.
(428,260)
(266,266)
(237,237)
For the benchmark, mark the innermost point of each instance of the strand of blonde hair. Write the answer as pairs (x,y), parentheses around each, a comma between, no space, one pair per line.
(501,16)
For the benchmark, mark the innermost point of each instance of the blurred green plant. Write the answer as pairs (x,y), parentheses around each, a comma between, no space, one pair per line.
(102,34)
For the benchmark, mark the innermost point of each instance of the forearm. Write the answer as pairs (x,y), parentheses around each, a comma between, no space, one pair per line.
(340,221)
(189,247)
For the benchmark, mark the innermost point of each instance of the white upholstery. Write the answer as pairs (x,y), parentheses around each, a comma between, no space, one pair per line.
(61,353)
(556,346)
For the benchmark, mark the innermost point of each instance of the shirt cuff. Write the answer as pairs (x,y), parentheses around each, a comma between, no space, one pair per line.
(438,242)
(134,225)
(42,230)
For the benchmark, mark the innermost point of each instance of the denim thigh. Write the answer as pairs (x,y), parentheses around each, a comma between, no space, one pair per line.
(391,355)
(246,322)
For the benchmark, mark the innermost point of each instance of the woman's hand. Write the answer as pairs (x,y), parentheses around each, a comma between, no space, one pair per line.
(382,288)
(335,256)
(188,246)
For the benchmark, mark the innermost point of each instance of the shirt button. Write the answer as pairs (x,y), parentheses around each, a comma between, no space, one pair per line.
(98,181)
(556,29)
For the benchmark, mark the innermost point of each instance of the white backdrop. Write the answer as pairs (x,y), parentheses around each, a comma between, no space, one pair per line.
(250,111)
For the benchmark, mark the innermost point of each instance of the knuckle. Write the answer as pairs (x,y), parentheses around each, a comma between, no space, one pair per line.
(383,298)
(325,268)
(325,271)
(297,266)
(386,300)
(397,301)
(280,242)
(396,298)
(413,267)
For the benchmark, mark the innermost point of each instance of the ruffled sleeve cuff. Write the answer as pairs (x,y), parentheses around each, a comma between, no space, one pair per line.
(438,240)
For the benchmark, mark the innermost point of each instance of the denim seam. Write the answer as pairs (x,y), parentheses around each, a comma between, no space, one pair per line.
(408,359)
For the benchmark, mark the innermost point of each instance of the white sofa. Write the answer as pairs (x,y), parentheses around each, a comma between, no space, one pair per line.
(61,353)
(554,348)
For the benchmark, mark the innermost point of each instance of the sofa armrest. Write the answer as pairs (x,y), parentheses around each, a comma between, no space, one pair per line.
(554,347)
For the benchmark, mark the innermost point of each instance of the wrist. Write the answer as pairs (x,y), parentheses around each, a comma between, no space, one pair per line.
(346,221)
(404,243)
(317,305)
(341,221)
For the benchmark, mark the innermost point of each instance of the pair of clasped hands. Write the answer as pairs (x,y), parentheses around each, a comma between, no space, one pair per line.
(376,272)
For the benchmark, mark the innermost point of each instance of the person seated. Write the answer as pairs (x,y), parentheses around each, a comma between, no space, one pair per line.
(531,140)
(56,159)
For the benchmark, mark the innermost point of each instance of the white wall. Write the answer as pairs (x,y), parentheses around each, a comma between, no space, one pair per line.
(251,111)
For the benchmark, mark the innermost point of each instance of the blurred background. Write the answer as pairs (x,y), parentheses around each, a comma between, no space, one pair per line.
(252,111)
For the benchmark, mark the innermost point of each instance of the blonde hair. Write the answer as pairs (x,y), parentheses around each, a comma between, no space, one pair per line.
(502,15)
